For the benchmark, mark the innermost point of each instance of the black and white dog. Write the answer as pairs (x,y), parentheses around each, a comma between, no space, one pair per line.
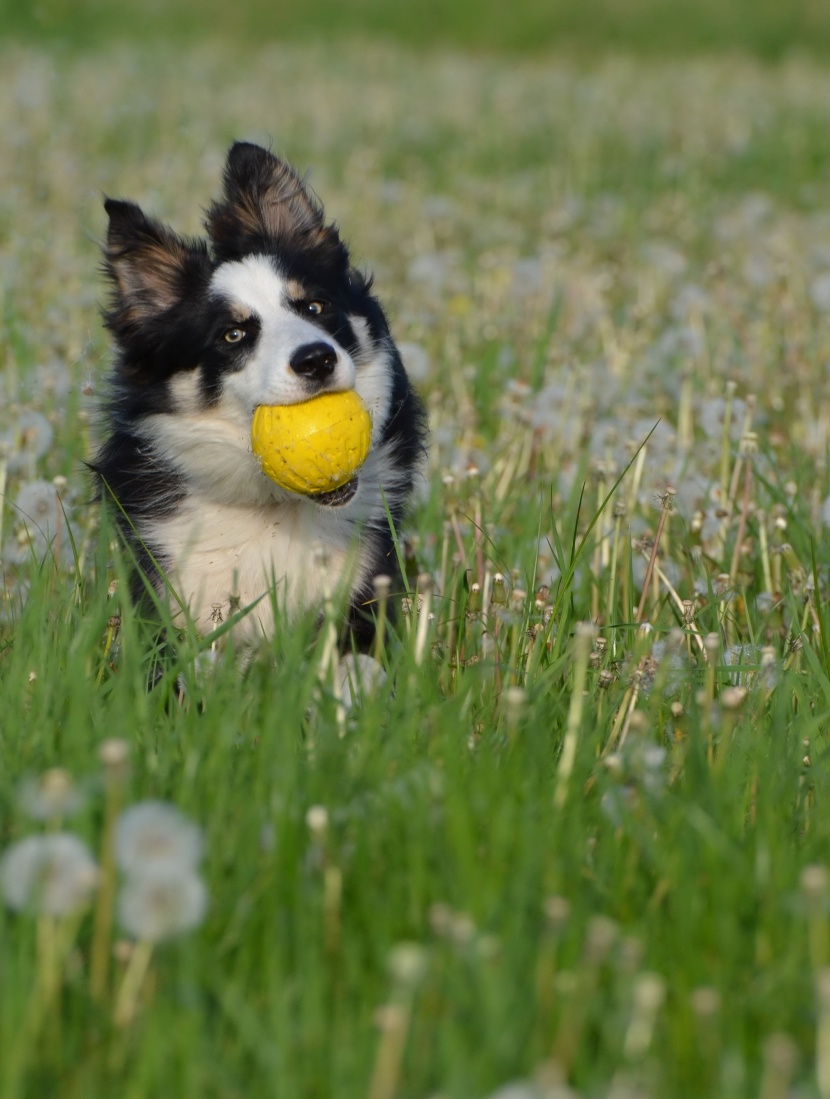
(269,311)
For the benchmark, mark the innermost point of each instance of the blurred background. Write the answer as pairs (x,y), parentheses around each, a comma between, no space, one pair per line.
(770,29)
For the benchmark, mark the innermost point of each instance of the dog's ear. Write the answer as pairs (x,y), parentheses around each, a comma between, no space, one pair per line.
(267,205)
(151,268)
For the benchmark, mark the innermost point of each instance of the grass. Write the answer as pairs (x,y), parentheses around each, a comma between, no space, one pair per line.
(577,841)
(764,28)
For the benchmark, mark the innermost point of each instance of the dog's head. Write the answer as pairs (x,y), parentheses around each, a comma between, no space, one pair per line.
(267,311)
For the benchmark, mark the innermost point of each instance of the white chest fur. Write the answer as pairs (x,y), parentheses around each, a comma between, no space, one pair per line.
(225,558)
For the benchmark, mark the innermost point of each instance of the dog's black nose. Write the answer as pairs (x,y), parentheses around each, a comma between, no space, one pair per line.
(315,361)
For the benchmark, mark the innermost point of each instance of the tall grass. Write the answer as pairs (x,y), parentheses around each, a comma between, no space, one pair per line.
(575,843)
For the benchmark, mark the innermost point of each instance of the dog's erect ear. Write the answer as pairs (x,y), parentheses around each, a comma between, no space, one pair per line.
(150,266)
(266,205)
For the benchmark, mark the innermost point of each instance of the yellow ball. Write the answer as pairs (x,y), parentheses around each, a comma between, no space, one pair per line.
(312,447)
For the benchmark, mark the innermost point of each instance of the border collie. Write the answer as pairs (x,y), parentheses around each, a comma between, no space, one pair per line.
(267,311)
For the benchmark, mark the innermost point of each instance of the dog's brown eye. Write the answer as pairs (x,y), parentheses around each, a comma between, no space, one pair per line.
(233,335)
(315,308)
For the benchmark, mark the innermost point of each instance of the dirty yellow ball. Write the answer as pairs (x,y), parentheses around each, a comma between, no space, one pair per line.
(312,447)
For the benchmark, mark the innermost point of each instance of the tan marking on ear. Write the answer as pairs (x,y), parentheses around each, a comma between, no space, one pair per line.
(149,277)
(285,204)
(271,201)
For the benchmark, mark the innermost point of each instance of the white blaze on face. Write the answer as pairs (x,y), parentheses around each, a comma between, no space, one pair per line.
(209,445)
(253,287)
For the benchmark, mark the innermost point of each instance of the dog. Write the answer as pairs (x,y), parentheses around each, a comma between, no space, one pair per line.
(267,311)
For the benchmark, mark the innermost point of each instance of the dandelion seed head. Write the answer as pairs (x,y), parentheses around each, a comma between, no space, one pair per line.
(514,699)
(50,796)
(52,378)
(814,882)
(407,962)
(705,1001)
(155,836)
(161,903)
(649,992)
(820,291)
(781,1054)
(601,934)
(557,911)
(462,928)
(29,439)
(417,361)
(732,698)
(122,950)
(712,414)
(35,503)
(54,874)
(113,753)
(517,1089)
(432,268)
(317,820)
(42,516)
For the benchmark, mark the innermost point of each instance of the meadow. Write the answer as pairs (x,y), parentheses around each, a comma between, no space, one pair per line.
(575,843)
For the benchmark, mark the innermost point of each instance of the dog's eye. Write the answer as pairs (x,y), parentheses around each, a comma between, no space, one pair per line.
(316,307)
(234,335)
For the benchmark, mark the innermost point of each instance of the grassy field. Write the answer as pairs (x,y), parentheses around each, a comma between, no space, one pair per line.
(765,28)
(576,845)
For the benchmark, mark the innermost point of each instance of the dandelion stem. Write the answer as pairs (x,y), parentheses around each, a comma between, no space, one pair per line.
(739,536)
(332,901)
(422,630)
(387,1070)
(445,557)
(630,708)
(764,545)
(132,982)
(690,626)
(666,508)
(822,979)
(636,478)
(584,634)
(54,938)
(712,643)
(105,900)
(382,588)
(685,422)
(619,512)
(459,541)
(4,465)
(113,625)
(725,441)
(478,522)
(596,564)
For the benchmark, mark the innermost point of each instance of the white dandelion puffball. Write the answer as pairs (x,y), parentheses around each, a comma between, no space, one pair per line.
(519,1089)
(41,521)
(50,796)
(155,836)
(54,874)
(161,904)
(28,439)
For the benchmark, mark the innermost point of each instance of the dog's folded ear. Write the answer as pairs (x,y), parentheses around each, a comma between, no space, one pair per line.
(266,205)
(151,268)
